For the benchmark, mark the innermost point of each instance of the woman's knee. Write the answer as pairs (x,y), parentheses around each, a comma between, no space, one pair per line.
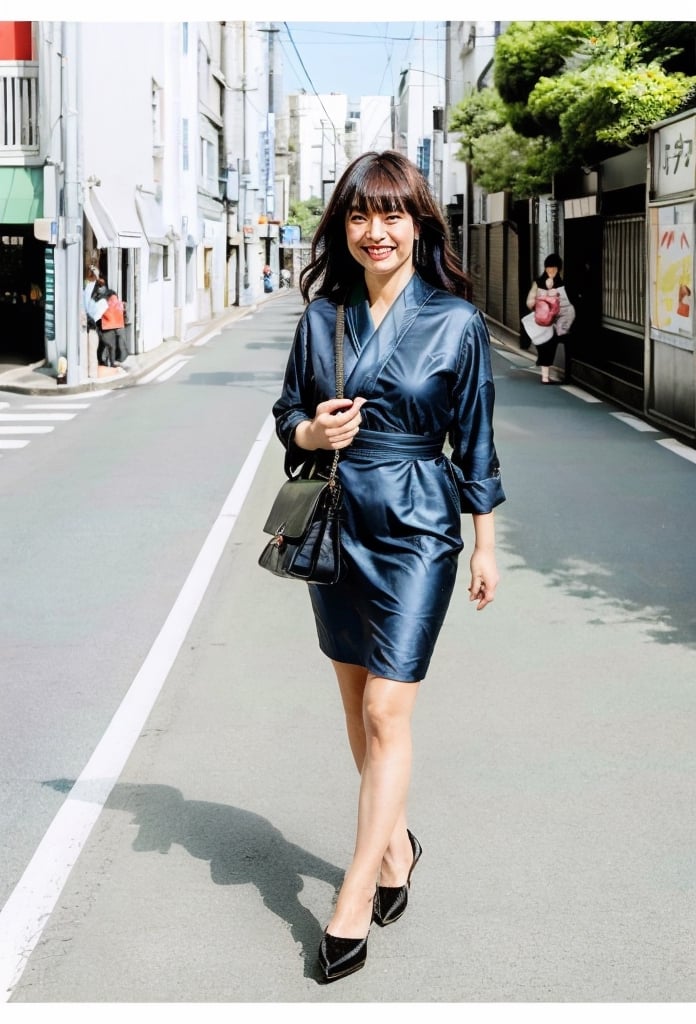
(387,708)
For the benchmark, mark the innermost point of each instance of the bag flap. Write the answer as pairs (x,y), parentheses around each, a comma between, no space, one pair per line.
(294,506)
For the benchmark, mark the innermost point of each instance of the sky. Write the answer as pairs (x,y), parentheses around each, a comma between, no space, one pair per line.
(358,58)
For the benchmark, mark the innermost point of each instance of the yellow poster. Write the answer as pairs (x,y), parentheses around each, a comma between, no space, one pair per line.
(673,269)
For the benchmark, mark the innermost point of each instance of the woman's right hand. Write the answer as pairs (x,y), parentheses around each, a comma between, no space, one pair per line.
(335,424)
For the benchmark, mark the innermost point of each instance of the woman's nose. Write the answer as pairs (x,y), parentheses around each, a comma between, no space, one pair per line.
(375,227)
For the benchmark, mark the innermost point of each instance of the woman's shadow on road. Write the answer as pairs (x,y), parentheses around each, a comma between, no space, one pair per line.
(242,847)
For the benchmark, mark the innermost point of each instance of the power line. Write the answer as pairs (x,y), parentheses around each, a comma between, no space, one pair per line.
(297,52)
(370,37)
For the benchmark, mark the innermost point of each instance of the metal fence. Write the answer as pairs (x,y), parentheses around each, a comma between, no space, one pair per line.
(623,273)
(494,270)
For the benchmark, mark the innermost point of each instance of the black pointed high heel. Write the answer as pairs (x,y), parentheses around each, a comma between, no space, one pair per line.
(391,900)
(339,957)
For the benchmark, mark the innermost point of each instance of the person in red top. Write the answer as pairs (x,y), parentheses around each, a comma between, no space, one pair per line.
(112,349)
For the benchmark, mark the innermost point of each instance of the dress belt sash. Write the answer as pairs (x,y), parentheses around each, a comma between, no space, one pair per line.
(369,443)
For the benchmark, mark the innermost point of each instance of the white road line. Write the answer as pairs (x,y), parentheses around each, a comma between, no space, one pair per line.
(162,368)
(15,417)
(207,338)
(579,393)
(13,444)
(678,448)
(172,370)
(633,421)
(33,899)
(57,405)
(27,428)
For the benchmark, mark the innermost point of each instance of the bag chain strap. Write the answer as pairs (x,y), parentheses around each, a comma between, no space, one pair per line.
(340,323)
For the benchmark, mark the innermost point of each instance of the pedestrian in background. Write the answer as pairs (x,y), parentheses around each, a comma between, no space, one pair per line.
(114,351)
(94,301)
(417,365)
(551,317)
(267,279)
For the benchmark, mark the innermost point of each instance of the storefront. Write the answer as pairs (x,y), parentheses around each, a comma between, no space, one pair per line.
(22,266)
(670,362)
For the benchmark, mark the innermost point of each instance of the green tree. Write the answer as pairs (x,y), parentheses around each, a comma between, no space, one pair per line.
(306,213)
(569,93)
(528,50)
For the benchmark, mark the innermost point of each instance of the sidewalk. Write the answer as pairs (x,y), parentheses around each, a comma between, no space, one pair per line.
(40,379)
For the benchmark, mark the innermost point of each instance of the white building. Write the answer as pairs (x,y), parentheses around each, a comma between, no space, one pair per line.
(133,146)
(152,180)
(369,125)
(317,134)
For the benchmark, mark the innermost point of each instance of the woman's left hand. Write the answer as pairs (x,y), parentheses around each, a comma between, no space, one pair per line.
(484,578)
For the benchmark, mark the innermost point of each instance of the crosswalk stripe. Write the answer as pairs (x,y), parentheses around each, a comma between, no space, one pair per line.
(14,417)
(27,428)
(57,405)
(13,444)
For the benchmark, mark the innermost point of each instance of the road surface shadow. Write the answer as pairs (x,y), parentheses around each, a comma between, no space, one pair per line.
(242,848)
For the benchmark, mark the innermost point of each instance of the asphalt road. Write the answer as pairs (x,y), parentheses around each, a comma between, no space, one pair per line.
(149,663)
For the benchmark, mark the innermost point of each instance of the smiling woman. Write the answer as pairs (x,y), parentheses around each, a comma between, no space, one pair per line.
(417,372)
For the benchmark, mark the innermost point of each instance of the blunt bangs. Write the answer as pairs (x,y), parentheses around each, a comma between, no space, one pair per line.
(375,188)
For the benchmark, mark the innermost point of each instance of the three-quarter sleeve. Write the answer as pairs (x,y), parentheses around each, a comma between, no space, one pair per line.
(297,401)
(477,469)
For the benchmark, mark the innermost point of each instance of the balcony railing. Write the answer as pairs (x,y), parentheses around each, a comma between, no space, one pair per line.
(19,106)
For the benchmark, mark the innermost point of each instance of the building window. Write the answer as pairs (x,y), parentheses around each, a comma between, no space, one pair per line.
(185,144)
(210,160)
(166,273)
(203,72)
(190,273)
(157,133)
(184,37)
(155,265)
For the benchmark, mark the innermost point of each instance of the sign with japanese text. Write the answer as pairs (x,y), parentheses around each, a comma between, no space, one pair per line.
(674,157)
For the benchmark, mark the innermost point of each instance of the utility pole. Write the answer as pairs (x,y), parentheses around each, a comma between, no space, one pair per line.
(71,241)
(245,177)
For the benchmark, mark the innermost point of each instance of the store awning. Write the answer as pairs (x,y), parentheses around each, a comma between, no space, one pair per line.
(152,220)
(21,194)
(112,219)
(104,231)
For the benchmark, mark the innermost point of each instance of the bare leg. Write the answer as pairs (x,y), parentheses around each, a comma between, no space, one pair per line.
(384,744)
(398,856)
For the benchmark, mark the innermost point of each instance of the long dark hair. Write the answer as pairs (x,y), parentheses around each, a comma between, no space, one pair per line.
(381,182)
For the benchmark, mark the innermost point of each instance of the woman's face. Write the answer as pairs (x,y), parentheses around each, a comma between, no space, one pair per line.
(551,271)
(382,243)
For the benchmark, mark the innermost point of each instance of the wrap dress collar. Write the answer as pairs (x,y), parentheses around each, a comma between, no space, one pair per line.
(368,349)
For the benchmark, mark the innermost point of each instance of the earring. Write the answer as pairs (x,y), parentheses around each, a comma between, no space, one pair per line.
(417,254)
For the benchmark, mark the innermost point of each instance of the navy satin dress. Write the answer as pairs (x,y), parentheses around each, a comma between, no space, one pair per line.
(426,375)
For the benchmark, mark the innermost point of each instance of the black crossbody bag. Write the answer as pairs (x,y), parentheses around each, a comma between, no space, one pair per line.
(304,521)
